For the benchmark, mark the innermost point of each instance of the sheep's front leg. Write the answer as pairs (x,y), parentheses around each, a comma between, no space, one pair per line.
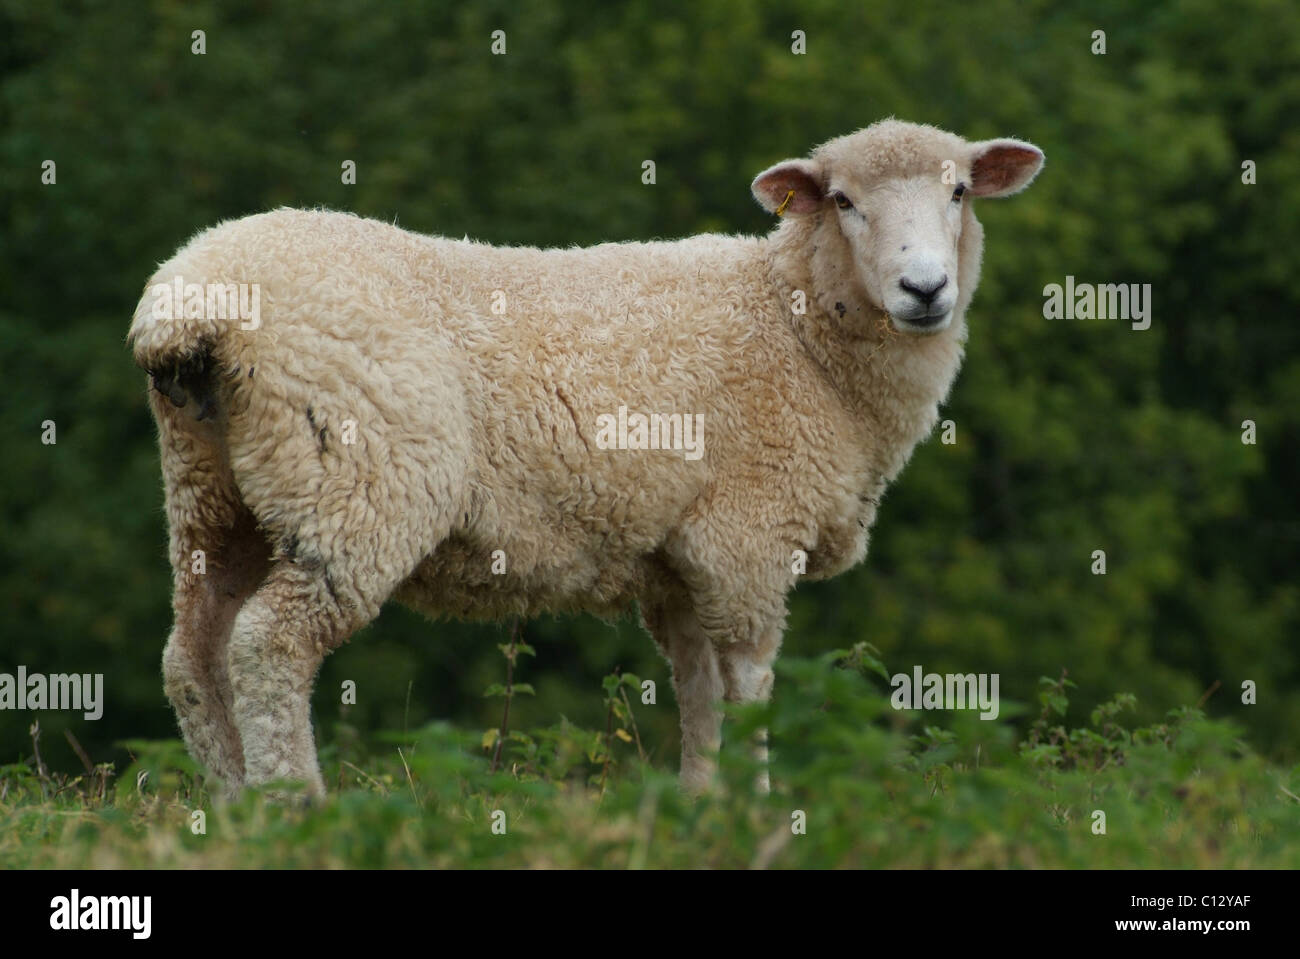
(747,677)
(280,637)
(697,683)
(737,585)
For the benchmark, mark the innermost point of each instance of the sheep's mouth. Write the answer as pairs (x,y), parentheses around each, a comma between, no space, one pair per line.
(925,323)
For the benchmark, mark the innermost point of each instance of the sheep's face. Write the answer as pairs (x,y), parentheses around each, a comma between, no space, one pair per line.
(887,211)
(902,238)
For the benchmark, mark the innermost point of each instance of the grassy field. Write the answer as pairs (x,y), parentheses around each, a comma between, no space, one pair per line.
(856,784)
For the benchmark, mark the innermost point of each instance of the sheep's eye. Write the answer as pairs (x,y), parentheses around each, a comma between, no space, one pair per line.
(956,194)
(841,201)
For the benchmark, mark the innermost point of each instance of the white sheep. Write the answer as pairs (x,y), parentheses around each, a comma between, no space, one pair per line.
(465,428)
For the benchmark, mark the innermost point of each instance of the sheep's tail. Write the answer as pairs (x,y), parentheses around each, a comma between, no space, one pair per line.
(192,357)
(185,353)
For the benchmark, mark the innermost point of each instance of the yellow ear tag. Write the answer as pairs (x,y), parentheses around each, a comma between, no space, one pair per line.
(785,203)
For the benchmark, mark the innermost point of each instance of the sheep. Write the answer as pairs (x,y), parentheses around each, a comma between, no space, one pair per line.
(417,418)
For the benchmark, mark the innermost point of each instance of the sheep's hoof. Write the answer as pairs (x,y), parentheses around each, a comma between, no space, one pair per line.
(290,793)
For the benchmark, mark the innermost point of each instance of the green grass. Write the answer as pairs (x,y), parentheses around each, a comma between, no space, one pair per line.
(874,787)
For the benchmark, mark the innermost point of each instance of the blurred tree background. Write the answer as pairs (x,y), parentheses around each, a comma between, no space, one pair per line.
(1072,436)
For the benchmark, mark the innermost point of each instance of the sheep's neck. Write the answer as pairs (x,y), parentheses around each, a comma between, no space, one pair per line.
(889,383)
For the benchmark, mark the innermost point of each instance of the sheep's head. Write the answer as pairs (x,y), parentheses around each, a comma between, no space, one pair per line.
(887,213)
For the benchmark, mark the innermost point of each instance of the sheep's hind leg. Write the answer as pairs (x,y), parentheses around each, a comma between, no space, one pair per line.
(280,637)
(218,557)
(195,676)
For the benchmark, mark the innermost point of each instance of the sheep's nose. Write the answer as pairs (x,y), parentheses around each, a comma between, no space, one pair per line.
(923,292)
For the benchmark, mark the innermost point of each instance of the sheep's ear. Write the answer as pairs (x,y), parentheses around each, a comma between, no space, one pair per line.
(1003,167)
(794,186)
